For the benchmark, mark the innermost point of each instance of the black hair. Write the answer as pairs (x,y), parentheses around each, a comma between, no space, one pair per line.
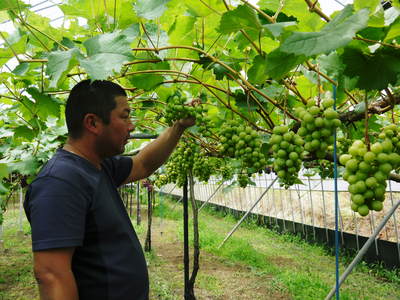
(97,97)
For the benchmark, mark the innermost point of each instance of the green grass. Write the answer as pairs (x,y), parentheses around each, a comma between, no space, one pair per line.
(305,271)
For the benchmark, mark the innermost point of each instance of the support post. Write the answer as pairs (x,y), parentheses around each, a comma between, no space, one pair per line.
(20,233)
(363,250)
(247,213)
(186,239)
(138,216)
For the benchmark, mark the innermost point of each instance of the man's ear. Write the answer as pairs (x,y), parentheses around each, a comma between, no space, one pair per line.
(92,123)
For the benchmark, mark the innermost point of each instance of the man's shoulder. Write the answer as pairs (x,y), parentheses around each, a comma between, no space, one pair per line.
(68,167)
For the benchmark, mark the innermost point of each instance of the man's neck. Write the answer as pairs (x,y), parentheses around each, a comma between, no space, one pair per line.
(84,151)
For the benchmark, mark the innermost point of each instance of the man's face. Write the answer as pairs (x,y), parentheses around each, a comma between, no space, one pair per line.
(115,135)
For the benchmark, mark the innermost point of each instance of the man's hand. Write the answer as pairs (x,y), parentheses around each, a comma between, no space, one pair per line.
(187,122)
(190,121)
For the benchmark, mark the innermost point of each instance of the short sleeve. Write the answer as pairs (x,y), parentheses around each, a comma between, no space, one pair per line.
(119,168)
(57,213)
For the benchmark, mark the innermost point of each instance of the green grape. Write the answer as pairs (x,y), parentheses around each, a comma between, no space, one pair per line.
(287,154)
(318,125)
(366,173)
(243,143)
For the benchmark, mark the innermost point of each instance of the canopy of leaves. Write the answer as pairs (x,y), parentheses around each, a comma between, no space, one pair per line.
(256,64)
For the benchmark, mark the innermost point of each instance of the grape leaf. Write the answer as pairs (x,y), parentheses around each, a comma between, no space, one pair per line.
(374,71)
(60,63)
(394,31)
(275,65)
(25,167)
(337,33)
(24,132)
(150,9)
(276,29)
(12,4)
(46,106)
(242,17)
(370,4)
(149,81)
(106,53)
(3,170)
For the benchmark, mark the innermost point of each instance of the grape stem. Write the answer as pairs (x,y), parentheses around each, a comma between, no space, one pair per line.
(367,141)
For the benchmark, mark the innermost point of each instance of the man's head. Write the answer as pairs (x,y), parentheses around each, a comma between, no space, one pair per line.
(100,109)
(97,97)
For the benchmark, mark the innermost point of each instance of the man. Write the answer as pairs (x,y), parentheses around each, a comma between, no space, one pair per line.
(84,245)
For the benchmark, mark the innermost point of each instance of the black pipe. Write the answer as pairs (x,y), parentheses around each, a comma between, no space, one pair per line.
(186,239)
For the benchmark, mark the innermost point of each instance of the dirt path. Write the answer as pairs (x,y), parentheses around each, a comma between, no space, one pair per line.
(217,279)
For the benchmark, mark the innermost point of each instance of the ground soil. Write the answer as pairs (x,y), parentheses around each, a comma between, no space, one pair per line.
(235,281)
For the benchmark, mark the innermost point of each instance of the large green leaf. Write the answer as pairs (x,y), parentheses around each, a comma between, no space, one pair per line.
(3,170)
(394,31)
(24,132)
(276,29)
(149,81)
(25,167)
(46,105)
(338,33)
(199,9)
(269,4)
(374,71)
(150,9)
(106,54)
(275,65)
(12,4)
(60,63)
(241,18)
(370,4)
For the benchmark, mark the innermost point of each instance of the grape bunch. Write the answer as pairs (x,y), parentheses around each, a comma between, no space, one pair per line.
(243,143)
(317,126)
(392,133)
(181,161)
(287,149)
(161,180)
(366,171)
(204,166)
(178,109)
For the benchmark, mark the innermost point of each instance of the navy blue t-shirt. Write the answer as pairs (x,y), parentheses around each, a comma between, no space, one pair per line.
(71,203)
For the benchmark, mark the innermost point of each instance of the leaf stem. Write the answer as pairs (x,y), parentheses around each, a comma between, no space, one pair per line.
(367,141)
(312,7)
(269,18)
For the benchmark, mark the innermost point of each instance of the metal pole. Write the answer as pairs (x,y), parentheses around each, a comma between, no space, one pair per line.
(363,250)
(395,222)
(212,195)
(138,216)
(186,239)
(245,215)
(21,231)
